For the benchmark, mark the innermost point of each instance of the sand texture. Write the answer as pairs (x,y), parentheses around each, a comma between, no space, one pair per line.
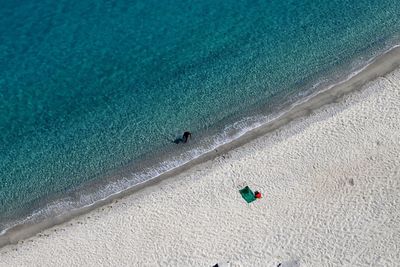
(331,196)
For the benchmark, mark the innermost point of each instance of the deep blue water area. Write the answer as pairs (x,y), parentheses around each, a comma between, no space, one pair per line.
(87,87)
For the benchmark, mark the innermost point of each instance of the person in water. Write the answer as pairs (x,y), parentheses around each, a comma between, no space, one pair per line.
(186,136)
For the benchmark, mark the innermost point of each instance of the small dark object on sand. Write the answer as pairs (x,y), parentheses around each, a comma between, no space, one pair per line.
(291,263)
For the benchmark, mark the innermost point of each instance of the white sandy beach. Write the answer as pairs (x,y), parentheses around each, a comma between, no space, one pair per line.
(331,196)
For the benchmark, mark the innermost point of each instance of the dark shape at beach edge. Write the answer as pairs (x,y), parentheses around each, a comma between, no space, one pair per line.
(184,139)
(178,140)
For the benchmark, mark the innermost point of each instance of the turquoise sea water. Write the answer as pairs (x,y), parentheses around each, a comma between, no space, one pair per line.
(91,87)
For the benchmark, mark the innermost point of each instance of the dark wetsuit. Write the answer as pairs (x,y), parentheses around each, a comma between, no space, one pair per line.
(186,136)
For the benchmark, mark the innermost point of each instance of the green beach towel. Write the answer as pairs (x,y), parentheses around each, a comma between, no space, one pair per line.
(247,194)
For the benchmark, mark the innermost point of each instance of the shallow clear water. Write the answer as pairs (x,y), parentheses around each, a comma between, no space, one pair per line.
(88,87)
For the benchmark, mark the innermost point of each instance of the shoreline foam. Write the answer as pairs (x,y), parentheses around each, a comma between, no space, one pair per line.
(379,66)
